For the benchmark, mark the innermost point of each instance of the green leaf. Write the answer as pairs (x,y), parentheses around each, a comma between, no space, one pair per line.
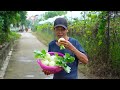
(67,55)
(40,55)
(100,42)
(68,58)
(43,52)
(62,47)
(59,61)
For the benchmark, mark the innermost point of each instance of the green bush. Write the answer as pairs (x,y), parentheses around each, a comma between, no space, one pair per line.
(103,50)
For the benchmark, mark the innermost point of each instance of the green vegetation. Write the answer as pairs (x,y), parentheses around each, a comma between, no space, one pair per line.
(98,32)
(51,14)
(44,33)
(99,35)
(54,60)
(8,18)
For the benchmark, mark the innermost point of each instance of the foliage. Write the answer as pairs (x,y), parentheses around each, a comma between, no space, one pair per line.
(51,14)
(6,19)
(99,35)
(54,60)
(13,36)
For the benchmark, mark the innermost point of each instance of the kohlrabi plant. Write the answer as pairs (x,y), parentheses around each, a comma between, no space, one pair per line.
(54,60)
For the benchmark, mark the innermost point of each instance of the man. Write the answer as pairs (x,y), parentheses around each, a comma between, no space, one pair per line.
(72,46)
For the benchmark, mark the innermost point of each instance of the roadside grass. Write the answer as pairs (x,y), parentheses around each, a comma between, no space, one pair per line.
(45,38)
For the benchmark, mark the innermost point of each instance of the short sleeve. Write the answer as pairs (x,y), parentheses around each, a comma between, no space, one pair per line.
(49,48)
(80,48)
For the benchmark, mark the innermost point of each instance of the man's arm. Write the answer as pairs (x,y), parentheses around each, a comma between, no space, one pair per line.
(81,56)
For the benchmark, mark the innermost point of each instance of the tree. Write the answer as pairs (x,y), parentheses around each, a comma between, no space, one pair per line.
(51,14)
(10,17)
(23,18)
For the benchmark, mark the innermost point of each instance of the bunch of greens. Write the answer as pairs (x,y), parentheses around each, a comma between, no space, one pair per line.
(61,46)
(54,60)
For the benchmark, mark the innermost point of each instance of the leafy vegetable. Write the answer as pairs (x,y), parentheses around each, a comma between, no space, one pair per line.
(61,46)
(39,54)
(68,58)
(54,60)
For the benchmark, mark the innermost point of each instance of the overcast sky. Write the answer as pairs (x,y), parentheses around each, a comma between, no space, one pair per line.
(31,13)
(69,14)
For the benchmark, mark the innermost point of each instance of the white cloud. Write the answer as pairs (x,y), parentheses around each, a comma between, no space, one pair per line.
(32,13)
(69,15)
(73,14)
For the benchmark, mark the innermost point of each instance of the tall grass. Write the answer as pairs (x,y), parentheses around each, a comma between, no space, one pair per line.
(103,61)
(43,37)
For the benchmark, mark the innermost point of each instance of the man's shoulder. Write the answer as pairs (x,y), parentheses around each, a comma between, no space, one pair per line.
(73,39)
(52,42)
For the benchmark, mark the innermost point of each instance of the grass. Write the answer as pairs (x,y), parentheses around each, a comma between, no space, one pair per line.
(84,69)
(90,70)
(45,38)
(42,38)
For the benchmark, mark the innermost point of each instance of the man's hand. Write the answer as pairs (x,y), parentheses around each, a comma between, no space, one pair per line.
(66,44)
(82,57)
(47,72)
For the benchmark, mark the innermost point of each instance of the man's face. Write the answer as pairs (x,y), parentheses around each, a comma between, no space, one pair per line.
(60,31)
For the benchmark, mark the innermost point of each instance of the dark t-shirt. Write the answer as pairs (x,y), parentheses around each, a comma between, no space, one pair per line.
(53,47)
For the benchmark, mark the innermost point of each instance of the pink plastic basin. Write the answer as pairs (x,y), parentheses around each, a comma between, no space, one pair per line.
(53,69)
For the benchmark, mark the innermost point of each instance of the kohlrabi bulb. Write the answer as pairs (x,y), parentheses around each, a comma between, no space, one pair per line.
(61,46)
(52,63)
(60,39)
(46,62)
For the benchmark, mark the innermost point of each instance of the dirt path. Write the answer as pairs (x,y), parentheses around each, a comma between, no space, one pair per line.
(22,64)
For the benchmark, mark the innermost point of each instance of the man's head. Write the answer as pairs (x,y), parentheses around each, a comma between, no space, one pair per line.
(60,27)
(60,22)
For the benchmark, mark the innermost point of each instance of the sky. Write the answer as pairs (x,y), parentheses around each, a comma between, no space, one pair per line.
(69,14)
(32,13)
